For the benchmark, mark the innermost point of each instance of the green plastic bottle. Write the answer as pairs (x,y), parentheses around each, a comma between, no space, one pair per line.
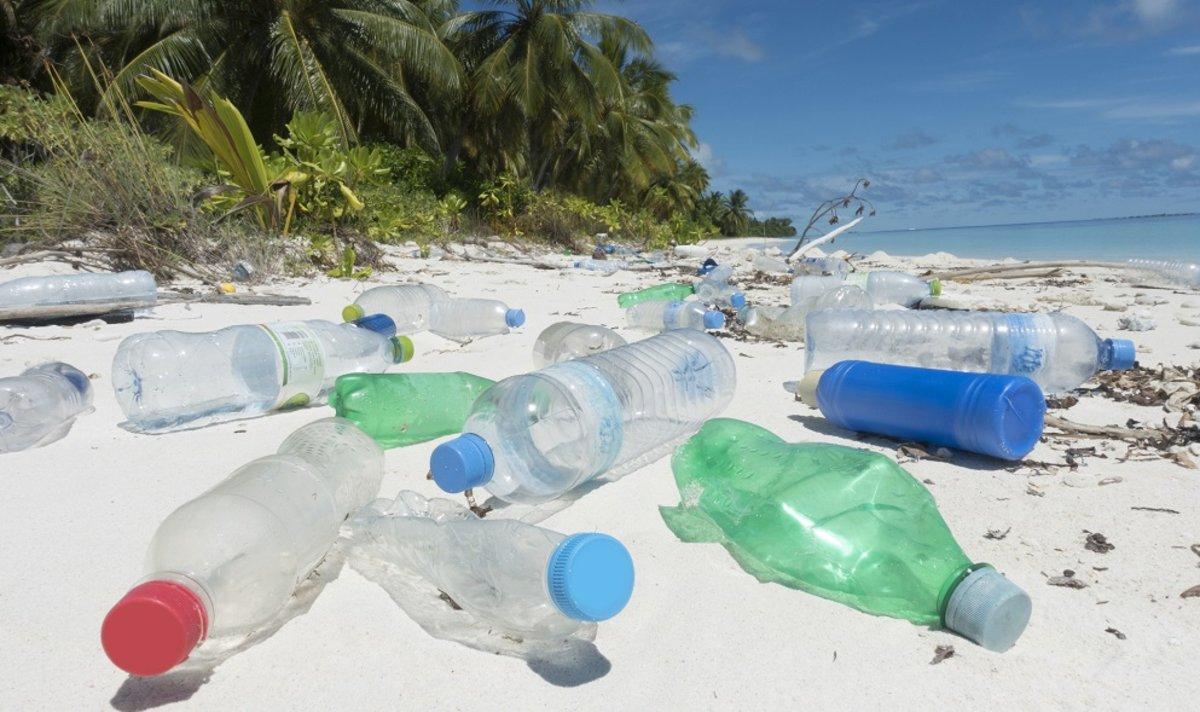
(398,409)
(669,292)
(842,523)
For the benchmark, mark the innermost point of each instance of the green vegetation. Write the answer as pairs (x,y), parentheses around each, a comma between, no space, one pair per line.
(343,123)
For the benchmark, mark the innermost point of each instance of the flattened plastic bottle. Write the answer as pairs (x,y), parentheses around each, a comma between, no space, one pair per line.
(408,305)
(399,409)
(845,524)
(669,292)
(39,406)
(666,316)
(567,340)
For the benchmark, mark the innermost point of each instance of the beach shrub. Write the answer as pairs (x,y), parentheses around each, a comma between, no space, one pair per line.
(323,172)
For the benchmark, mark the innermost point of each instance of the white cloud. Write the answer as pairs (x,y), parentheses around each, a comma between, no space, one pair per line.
(1154,110)
(1184,51)
(705,156)
(1156,11)
(737,44)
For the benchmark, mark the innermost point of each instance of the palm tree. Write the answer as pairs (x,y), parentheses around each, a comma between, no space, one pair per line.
(349,58)
(737,215)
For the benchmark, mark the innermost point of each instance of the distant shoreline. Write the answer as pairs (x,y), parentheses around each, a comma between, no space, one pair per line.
(1034,222)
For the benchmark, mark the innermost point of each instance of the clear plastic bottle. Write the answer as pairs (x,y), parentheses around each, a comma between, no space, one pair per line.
(1057,351)
(602,266)
(829,265)
(715,288)
(1179,272)
(567,340)
(165,380)
(665,316)
(409,305)
(40,406)
(532,584)
(123,290)
(532,438)
(466,319)
(883,286)
(226,562)
(788,324)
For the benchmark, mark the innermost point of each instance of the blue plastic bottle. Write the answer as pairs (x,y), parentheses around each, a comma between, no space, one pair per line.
(992,414)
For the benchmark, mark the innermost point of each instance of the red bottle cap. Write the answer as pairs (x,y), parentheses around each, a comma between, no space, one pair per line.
(153,628)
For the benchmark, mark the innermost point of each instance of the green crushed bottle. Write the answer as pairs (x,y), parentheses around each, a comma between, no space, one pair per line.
(669,292)
(839,522)
(398,409)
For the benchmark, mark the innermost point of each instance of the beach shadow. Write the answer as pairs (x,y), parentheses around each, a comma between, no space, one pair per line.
(578,665)
(137,694)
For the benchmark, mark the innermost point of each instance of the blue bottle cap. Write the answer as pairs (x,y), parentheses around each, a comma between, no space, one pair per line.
(713,319)
(737,300)
(462,463)
(1122,354)
(590,577)
(514,317)
(709,265)
(379,323)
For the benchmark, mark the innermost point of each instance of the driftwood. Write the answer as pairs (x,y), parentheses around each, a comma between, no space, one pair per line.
(1018,271)
(1106,432)
(272,300)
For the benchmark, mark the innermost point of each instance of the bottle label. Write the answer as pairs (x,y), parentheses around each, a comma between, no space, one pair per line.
(301,362)
(671,314)
(1030,342)
(858,279)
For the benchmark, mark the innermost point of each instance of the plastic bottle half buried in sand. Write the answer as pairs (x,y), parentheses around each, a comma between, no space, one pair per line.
(568,340)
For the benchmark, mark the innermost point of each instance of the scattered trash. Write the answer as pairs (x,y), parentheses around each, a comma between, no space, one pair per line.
(1067,580)
(666,316)
(76,295)
(408,305)
(39,406)
(227,288)
(716,289)
(399,409)
(243,271)
(1098,543)
(1186,274)
(567,340)
(670,292)
(882,286)
(942,653)
(1136,322)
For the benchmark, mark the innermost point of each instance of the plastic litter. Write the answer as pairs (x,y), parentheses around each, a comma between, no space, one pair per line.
(463,320)
(567,340)
(828,265)
(845,524)
(604,266)
(771,265)
(81,294)
(399,409)
(884,287)
(533,438)
(1178,272)
(166,380)
(788,324)
(1057,351)
(666,316)
(226,562)
(992,414)
(669,292)
(715,288)
(515,588)
(707,266)
(408,305)
(39,406)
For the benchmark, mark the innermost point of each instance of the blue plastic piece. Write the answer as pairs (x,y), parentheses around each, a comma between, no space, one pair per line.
(992,414)
(76,378)
(590,577)
(709,265)
(379,323)
(462,463)
(737,300)
(713,319)
(514,318)
(1119,354)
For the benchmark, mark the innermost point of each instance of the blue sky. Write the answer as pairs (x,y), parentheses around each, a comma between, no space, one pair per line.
(961,112)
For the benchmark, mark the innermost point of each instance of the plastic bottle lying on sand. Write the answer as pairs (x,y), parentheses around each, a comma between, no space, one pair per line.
(40,406)
(165,380)
(788,324)
(567,340)
(715,288)
(992,414)
(669,292)
(845,524)
(603,266)
(1179,272)
(665,316)
(121,290)
(533,438)
(408,305)
(884,287)
(506,578)
(829,265)
(226,562)
(466,319)
(1057,351)
(398,409)
(771,265)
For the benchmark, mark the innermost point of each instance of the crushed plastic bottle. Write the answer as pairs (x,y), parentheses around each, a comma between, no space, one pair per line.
(993,414)
(567,340)
(400,409)
(516,588)
(602,266)
(225,563)
(166,380)
(463,320)
(715,288)
(845,524)
(666,316)
(533,438)
(771,265)
(1179,272)
(1057,351)
(829,265)
(39,406)
(60,295)
(884,287)
(669,292)
(408,305)
(788,324)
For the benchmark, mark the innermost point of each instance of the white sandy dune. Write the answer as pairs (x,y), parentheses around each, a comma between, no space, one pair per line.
(699,632)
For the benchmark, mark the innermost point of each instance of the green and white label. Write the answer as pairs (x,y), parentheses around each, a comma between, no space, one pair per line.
(300,361)
(858,279)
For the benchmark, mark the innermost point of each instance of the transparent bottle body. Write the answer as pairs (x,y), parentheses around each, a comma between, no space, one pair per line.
(607,414)
(1180,272)
(666,316)
(409,305)
(715,288)
(39,406)
(169,379)
(243,545)
(132,289)
(1057,351)
(568,340)
(789,324)
(602,266)
(836,266)
(883,286)
(466,319)
(398,409)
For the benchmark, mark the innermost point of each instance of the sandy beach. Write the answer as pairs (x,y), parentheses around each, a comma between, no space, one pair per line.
(699,633)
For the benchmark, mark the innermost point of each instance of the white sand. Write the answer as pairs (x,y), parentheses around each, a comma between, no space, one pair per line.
(699,633)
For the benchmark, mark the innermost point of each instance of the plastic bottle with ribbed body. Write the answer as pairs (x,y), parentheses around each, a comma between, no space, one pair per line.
(669,292)
(842,523)
(226,562)
(666,316)
(40,405)
(408,305)
(1056,351)
(398,409)
(788,324)
(466,319)
(166,380)
(1180,272)
(567,340)
(533,438)
(883,286)
(823,265)
(129,290)
(714,288)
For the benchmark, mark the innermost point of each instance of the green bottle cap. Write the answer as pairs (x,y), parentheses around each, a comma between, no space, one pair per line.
(402,349)
(353,312)
(935,288)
